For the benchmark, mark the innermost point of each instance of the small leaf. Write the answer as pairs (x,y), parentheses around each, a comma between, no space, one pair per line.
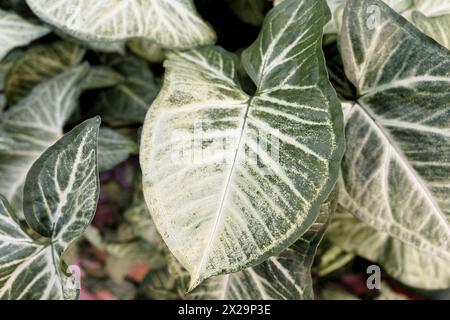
(35,124)
(437,28)
(114,148)
(62,190)
(16,32)
(172,24)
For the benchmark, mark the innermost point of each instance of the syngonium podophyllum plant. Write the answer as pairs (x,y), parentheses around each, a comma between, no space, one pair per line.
(334,123)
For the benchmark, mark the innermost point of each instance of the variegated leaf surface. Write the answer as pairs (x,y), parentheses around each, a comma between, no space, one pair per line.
(170,23)
(413,267)
(437,27)
(396,169)
(16,32)
(237,212)
(407,8)
(34,124)
(60,200)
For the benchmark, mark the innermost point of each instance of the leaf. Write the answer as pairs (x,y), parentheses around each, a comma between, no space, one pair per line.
(403,7)
(172,24)
(38,64)
(5,65)
(16,32)
(147,50)
(35,124)
(62,189)
(114,148)
(100,77)
(249,11)
(405,263)
(128,102)
(396,166)
(437,28)
(237,212)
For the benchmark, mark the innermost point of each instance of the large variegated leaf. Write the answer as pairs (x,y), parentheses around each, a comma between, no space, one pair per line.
(396,167)
(16,32)
(437,28)
(35,124)
(38,64)
(405,263)
(237,212)
(128,102)
(171,23)
(284,277)
(60,200)
(113,148)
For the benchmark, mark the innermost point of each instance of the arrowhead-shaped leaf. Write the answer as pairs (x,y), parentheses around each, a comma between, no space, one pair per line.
(173,24)
(16,32)
(60,200)
(396,167)
(224,212)
(37,64)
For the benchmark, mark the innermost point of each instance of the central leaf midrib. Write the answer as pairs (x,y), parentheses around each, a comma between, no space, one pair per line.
(225,191)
